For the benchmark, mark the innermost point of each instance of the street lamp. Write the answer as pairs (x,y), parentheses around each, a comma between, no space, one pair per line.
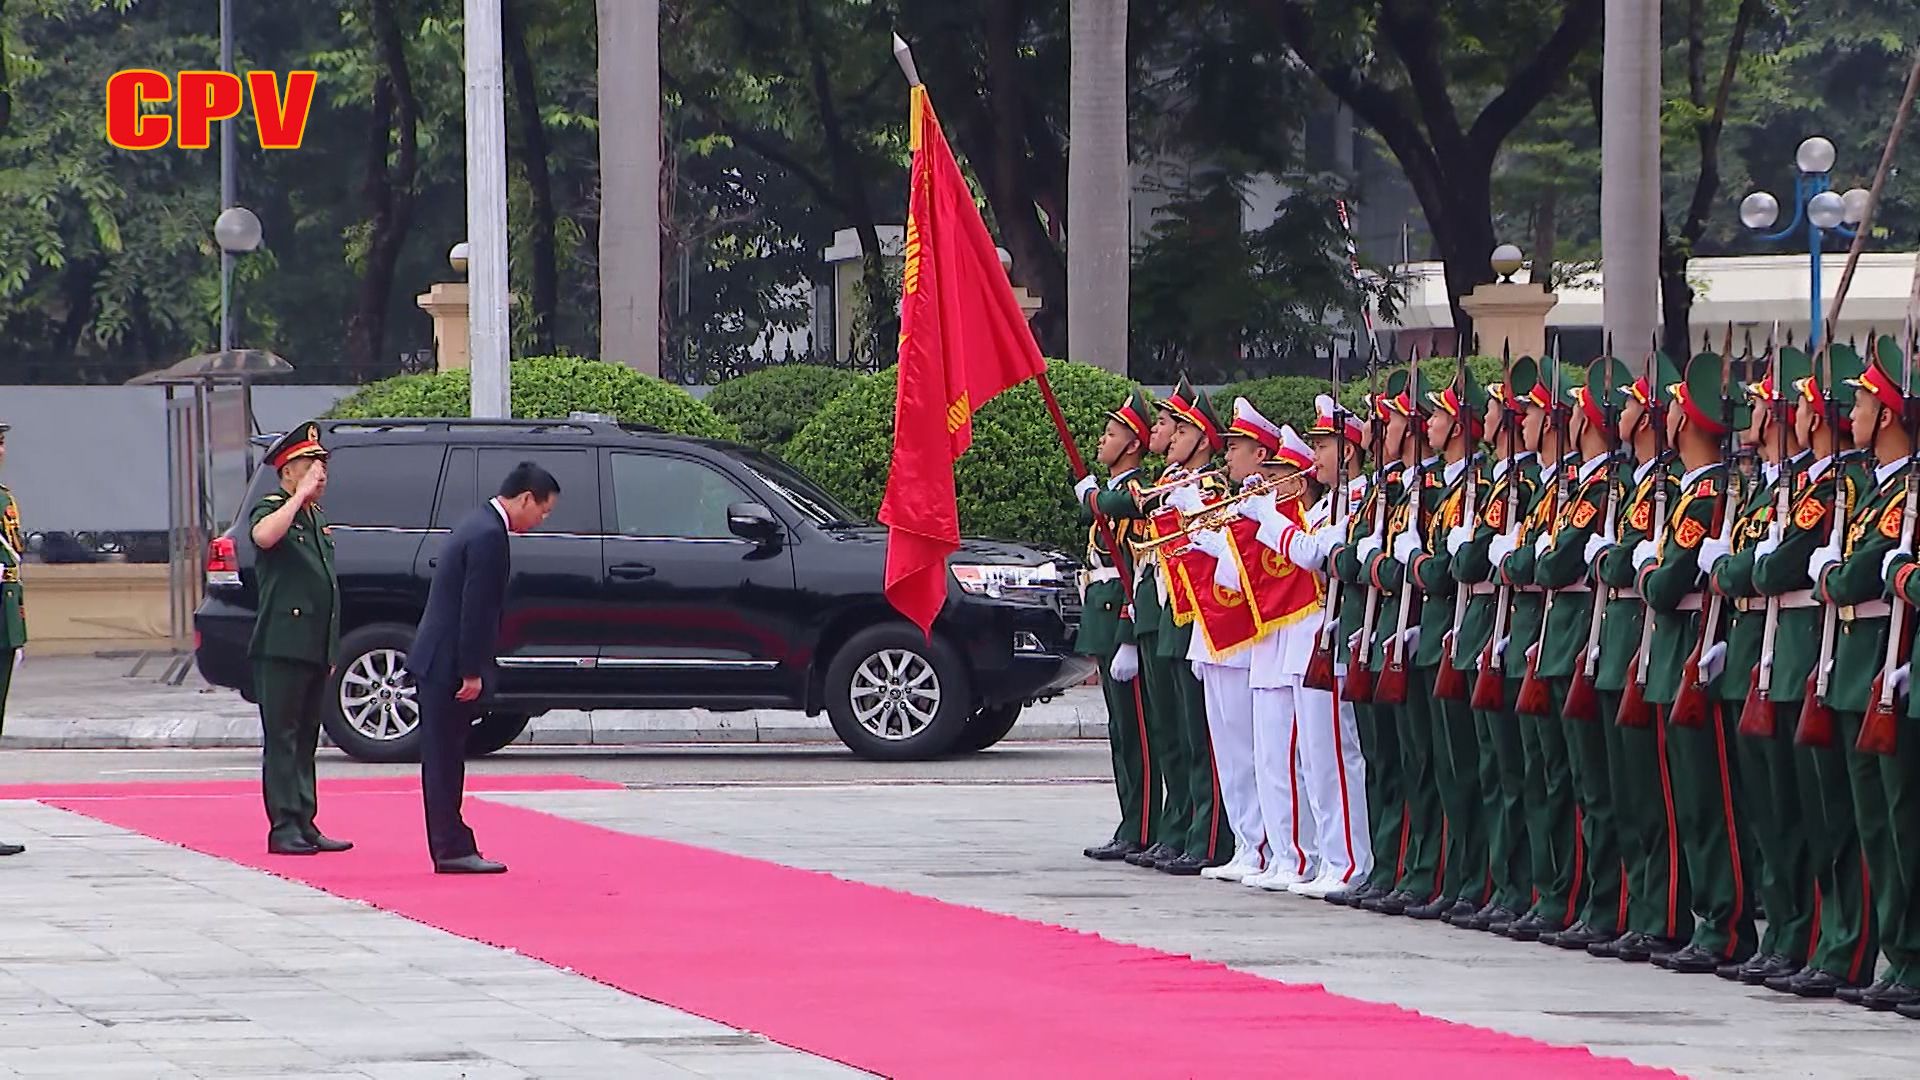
(1816,204)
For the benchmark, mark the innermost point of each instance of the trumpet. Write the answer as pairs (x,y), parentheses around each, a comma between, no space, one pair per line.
(1178,482)
(1220,514)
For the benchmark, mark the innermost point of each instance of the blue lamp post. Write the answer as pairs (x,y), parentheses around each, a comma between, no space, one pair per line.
(1817,207)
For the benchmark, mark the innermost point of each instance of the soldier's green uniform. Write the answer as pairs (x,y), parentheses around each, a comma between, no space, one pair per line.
(13,609)
(1562,569)
(1502,759)
(1456,750)
(1379,738)
(296,640)
(1704,773)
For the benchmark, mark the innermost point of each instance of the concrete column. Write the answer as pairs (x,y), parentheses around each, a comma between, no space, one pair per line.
(447,303)
(1630,176)
(1510,315)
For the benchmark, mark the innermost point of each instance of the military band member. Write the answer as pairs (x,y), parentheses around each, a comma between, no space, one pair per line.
(1659,912)
(1562,568)
(296,637)
(13,614)
(1848,946)
(1853,576)
(1770,804)
(1453,430)
(1106,624)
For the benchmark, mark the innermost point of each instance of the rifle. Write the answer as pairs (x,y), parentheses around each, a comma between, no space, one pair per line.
(1816,719)
(1582,702)
(1535,698)
(1756,713)
(1880,729)
(1450,683)
(1690,704)
(1392,686)
(1359,662)
(1634,711)
(1319,674)
(1490,688)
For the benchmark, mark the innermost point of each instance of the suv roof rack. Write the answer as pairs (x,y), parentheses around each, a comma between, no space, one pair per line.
(580,422)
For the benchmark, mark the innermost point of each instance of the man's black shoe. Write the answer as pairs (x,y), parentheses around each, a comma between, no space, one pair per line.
(328,843)
(1430,910)
(1461,911)
(1145,859)
(1692,960)
(1758,970)
(1911,1010)
(468,864)
(1578,936)
(1610,950)
(1184,866)
(12,849)
(1533,926)
(1394,903)
(1807,983)
(299,846)
(1730,971)
(1648,947)
(1891,998)
(1112,850)
(1496,919)
(1856,995)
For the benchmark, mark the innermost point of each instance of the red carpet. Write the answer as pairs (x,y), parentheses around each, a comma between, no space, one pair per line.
(889,982)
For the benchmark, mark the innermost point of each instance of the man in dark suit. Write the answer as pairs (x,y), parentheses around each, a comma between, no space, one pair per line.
(452,656)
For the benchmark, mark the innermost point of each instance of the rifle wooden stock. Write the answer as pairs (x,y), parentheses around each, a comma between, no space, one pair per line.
(1535,698)
(1880,729)
(1634,710)
(1816,719)
(1582,703)
(1359,688)
(1391,687)
(1450,683)
(1690,701)
(1490,686)
(1319,674)
(1756,713)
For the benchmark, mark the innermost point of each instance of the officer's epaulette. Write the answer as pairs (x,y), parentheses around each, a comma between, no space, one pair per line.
(274,497)
(1432,478)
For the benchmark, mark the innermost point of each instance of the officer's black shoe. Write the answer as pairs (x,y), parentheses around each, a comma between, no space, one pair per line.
(1911,1010)
(1533,926)
(468,864)
(1394,903)
(12,849)
(1692,960)
(1758,970)
(1151,855)
(1856,995)
(1430,910)
(1610,950)
(1648,947)
(328,843)
(1891,998)
(1112,850)
(1497,919)
(1807,983)
(300,846)
(1184,866)
(1461,911)
(1578,936)
(1349,897)
(1730,971)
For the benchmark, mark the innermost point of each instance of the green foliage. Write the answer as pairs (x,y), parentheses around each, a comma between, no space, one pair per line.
(771,405)
(1013,483)
(547,387)
(1283,399)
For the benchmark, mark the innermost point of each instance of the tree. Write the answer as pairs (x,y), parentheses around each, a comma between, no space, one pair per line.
(629,35)
(531,150)
(1406,70)
(1098,187)
(387,189)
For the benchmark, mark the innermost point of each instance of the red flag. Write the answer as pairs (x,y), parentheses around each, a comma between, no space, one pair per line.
(963,339)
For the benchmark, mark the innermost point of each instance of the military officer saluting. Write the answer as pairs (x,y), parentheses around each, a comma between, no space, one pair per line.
(13,615)
(296,637)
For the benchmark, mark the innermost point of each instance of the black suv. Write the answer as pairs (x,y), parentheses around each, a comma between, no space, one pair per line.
(675,572)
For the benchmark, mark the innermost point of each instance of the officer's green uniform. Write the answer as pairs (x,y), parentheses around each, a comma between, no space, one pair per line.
(1562,568)
(1502,761)
(1456,749)
(1379,737)
(13,610)
(1105,625)
(296,641)
(1705,775)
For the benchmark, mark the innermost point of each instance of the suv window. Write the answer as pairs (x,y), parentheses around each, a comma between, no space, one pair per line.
(658,495)
(459,493)
(579,508)
(382,486)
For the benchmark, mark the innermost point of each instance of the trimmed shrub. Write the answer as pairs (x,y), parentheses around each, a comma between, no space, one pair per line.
(1013,483)
(546,388)
(1283,399)
(770,406)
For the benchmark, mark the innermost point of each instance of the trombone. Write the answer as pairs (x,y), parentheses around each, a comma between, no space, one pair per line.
(1220,514)
(1178,482)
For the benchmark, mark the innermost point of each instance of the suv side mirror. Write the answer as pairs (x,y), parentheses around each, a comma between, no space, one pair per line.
(752,521)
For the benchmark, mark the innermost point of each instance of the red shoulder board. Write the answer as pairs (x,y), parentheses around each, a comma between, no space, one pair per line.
(1808,514)
(1890,518)
(1641,516)
(1704,489)
(1431,479)
(1583,512)
(1689,533)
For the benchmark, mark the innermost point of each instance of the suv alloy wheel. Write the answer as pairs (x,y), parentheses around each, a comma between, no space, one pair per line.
(892,695)
(372,713)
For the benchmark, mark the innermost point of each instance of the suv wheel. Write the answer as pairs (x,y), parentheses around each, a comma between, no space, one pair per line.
(373,715)
(494,731)
(988,727)
(892,695)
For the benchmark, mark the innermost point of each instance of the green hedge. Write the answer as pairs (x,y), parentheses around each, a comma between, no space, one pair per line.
(1288,399)
(546,388)
(770,406)
(1014,483)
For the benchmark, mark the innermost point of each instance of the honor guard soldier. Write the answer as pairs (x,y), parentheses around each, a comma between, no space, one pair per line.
(1562,568)
(13,612)
(1106,625)
(1771,806)
(1894,737)
(1847,949)
(1704,773)
(1659,918)
(296,637)
(1453,431)
(1850,572)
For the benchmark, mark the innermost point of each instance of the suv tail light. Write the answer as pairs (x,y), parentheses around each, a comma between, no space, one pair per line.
(223,564)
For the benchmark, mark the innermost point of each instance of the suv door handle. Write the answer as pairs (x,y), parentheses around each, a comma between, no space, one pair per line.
(632,571)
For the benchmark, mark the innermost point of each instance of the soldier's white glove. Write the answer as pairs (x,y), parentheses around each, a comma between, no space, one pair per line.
(1501,547)
(1822,557)
(1410,641)
(1458,537)
(1768,544)
(1595,545)
(1085,487)
(1186,499)
(1899,681)
(1273,524)
(1326,536)
(1369,547)
(1533,653)
(1353,648)
(1211,541)
(1406,545)
(1712,550)
(1541,545)
(1500,647)
(1643,553)
(1303,549)
(1712,660)
(1126,664)
(1886,564)
(19,657)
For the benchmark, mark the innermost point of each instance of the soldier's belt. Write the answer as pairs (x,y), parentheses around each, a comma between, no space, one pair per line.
(1745,604)
(1798,598)
(1872,609)
(1690,602)
(1102,573)
(1482,588)
(1576,587)
(1528,589)
(1623,592)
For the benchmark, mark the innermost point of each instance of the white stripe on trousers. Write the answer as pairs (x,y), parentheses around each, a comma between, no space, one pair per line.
(1230,724)
(1334,772)
(1276,761)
